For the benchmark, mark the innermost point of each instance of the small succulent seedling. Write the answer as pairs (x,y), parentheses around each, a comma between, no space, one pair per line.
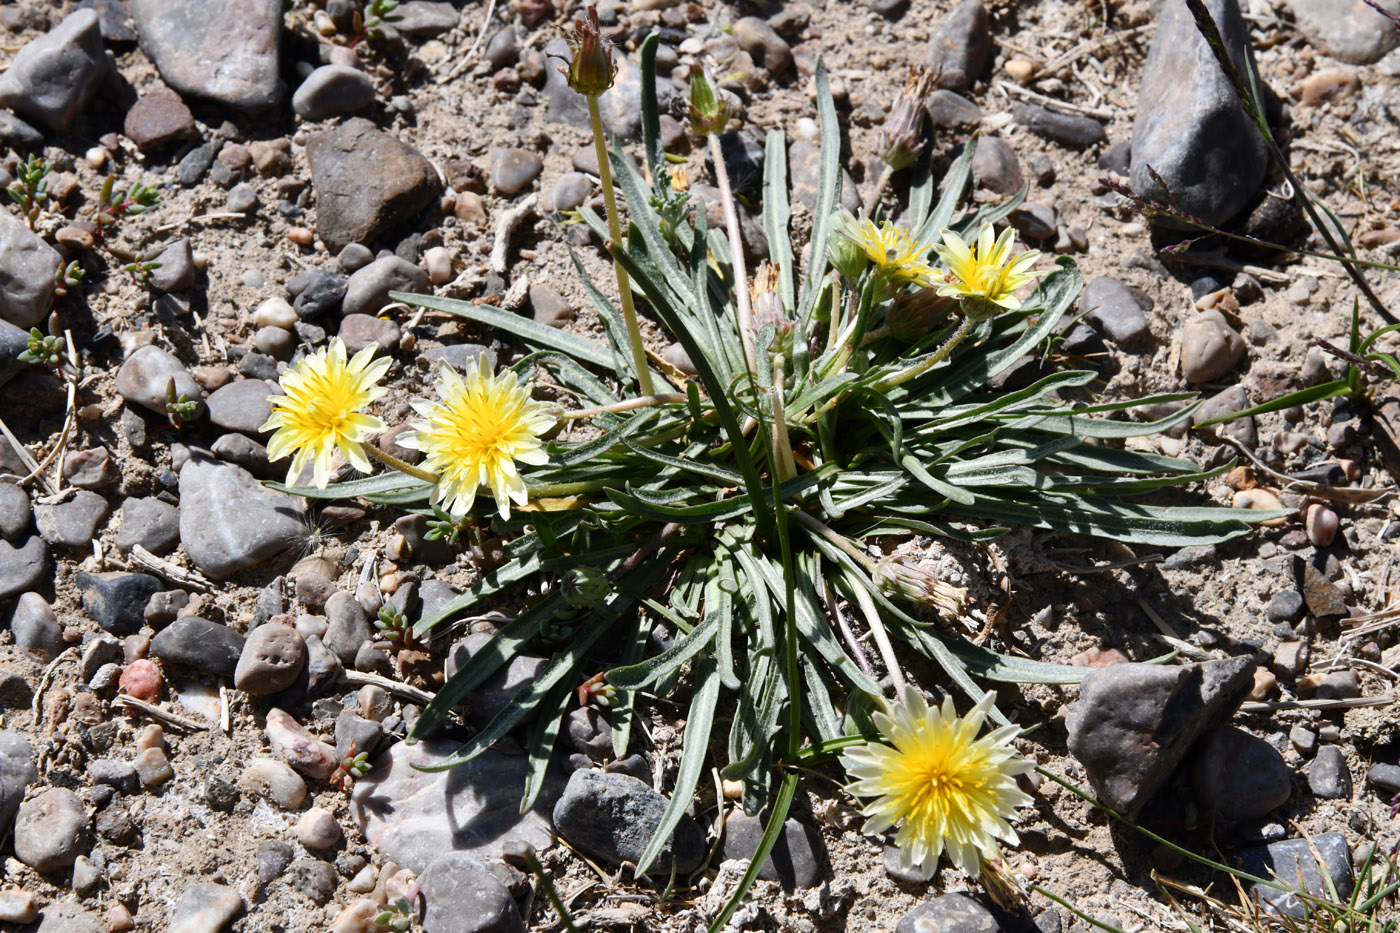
(139,199)
(397,915)
(31,187)
(595,689)
(443,527)
(395,627)
(47,350)
(351,768)
(141,268)
(367,24)
(69,275)
(178,407)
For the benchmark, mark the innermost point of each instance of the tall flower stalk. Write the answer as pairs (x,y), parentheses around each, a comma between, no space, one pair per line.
(591,72)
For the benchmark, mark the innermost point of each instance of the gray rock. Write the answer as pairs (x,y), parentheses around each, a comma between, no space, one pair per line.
(763,44)
(13,342)
(570,190)
(955,913)
(144,377)
(200,645)
(331,90)
(1348,30)
(804,166)
(116,600)
(1292,861)
(1228,402)
(962,47)
(1133,723)
(368,289)
(1384,777)
(356,735)
(28,267)
(1286,606)
(230,522)
(796,858)
(14,511)
(15,132)
(458,355)
(322,666)
(366,182)
(35,627)
(620,106)
(348,626)
(743,160)
(314,878)
(949,110)
(205,908)
(73,522)
(1067,129)
(1239,776)
(23,566)
(325,290)
(1328,776)
(996,168)
(247,453)
(612,817)
(1190,128)
(242,198)
(242,405)
(51,829)
(500,688)
(549,307)
(158,119)
(514,170)
(113,18)
(425,18)
(114,773)
(54,77)
(298,747)
(272,659)
(17,772)
(1034,220)
(90,468)
(176,272)
(460,895)
(272,859)
(1210,347)
(152,523)
(1117,311)
(414,817)
(503,48)
(99,650)
(196,162)
(224,50)
(588,733)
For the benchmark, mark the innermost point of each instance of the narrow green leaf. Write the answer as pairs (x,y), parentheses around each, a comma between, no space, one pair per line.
(492,581)
(532,333)
(551,717)
(356,488)
(637,676)
(651,116)
(828,192)
(777,815)
(776,215)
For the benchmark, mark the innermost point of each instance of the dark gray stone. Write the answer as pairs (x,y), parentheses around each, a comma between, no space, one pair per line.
(323,293)
(954,913)
(367,291)
(743,160)
(996,168)
(14,511)
(587,732)
(1118,312)
(514,170)
(147,372)
(51,829)
(356,733)
(114,773)
(1384,777)
(176,272)
(1067,129)
(1350,31)
(200,645)
(1286,606)
(458,355)
(1239,776)
(314,878)
(152,523)
(620,106)
(1292,861)
(612,817)
(1133,723)
(460,895)
(366,182)
(73,522)
(1328,776)
(196,162)
(503,48)
(961,49)
(35,627)
(13,341)
(224,50)
(230,522)
(331,90)
(1190,128)
(272,858)
(15,132)
(495,694)
(796,858)
(116,600)
(51,79)
(949,110)
(425,18)
(242,405)
(28,267)
(348,626)
(17,772)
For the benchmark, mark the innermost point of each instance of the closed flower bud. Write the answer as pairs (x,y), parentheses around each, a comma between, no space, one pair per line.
(916,583)
(768,307)
(591,69)
(916,314)
(847,256)
(901,138)
(585,586)
(708,113)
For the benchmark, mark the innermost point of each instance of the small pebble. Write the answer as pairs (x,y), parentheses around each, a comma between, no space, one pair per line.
(439,263)
(274,780)
(318,829)
(151,736)
(275,312)
(18,906)
(1321,525)
(141,680)
(153,768)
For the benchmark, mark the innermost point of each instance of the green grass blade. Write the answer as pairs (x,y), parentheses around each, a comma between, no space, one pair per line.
(532,333)
(551,718)
(637,676)
(954,185)
(828,193)
(777,213)
(777,815)
(651,116)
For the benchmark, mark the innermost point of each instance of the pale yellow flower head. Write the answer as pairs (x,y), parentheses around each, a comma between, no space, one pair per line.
(483,426)
(894,252)
(986,272)
(320,412)
(945,789)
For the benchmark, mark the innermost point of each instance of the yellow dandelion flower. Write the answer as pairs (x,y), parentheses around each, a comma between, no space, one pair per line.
(320,412)
(485,424)
(985,272)
(893,250)
(945,788)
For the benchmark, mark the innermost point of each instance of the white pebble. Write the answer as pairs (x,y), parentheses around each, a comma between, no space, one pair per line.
(265,777)
(439,263)
(317,829)
(96,157)
(275,312)
(18,906)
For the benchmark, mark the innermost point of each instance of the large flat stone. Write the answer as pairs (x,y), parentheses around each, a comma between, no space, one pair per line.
(28,266)
(224,50)
(229,521)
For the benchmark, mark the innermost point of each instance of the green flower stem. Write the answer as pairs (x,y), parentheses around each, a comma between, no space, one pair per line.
(401,466)
(873,200)
(1074,910)
(641,401)
(736,253)
(838,540)
(560,490)
(783,464)
(624,288)
(933,359)
(877,628)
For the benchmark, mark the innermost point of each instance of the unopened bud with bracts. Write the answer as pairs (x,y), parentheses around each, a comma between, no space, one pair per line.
(902,136)
(591,69)
(708,111)
(918,584)
(917,313)
(585,586)
(846,255)
(768,307)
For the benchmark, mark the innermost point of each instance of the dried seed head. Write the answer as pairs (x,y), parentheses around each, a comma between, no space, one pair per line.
(901,138)
(591,69)
(916,583)
(767,306)
(917,313)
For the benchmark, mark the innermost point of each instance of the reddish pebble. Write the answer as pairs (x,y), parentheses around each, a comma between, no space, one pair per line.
(141,680)
(1098,657)
(301,236)
(1321,525)
(507,79)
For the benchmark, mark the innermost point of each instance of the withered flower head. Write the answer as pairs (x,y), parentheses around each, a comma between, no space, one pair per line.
(708,112)
(901,138)
(916,314)
(767,306)
(918,584)
(591,69)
